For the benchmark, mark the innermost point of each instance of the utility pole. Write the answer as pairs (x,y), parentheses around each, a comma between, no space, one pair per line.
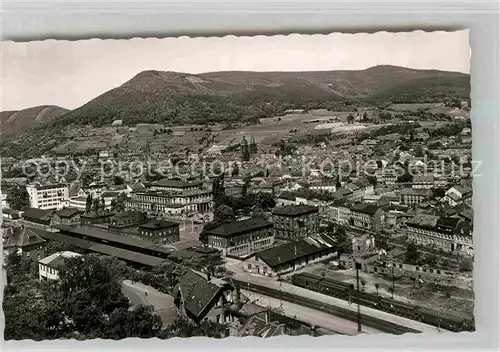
(358,266)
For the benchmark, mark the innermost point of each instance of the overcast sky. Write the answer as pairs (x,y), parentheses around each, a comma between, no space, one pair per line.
(69,74)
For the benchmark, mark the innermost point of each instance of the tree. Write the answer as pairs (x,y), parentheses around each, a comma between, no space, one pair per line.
(412,254)
(365,116)
(96,206)
(377,286)
(338,185)
(18,198)
(88,204)
(224,214)
(350,118)
(392,290)
(118,203)
(343,243)
(465,264)
(246,185)
(363,283)
(118,180)
(139,322)
(186,328)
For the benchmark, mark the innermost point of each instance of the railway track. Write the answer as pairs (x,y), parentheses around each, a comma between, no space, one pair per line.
(372,322)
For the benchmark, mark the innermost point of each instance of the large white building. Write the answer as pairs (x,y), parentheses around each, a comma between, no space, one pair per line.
(48,196)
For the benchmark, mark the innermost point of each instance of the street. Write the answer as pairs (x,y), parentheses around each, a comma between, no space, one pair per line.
(162,303)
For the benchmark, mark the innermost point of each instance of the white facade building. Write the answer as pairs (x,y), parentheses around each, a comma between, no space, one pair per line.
(49,267)
(50,196)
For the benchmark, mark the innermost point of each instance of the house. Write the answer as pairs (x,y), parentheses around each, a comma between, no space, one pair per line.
(200,298)
(108,197)
(412,196)
(290,256)
(366,216)
(160,231)
(295,221)
(448,233)
(38,216)
(22,239)
(242,238)
(66,216)
(357,193)
(457,194)
(50,267)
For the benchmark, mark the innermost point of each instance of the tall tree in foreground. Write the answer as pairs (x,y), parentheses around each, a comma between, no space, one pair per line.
(18,198)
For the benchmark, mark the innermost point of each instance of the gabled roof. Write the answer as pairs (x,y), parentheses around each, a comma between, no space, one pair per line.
(38,214)
(67,212)
(23,237)
(196,292)
(290,251)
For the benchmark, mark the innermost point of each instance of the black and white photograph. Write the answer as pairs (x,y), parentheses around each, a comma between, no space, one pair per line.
(237,186)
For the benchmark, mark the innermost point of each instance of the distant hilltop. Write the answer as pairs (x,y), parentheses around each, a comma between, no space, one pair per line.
(173,98)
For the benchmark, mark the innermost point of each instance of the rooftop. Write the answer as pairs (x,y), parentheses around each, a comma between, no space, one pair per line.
(290,251)
(365,208)
(177,183)
(295,210)
(57,260)
(159,224)
(243,226)
(196,292)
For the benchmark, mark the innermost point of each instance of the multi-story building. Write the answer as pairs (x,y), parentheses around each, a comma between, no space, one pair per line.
(449,234)
(242,238)
(367,216)
(412,196)
(295,221)
(160,231)
(160,203)
(48,196)
(49,267)
(386,176)
(340,210)
(425,181)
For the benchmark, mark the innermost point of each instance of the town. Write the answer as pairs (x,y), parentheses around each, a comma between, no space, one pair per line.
(314,222)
